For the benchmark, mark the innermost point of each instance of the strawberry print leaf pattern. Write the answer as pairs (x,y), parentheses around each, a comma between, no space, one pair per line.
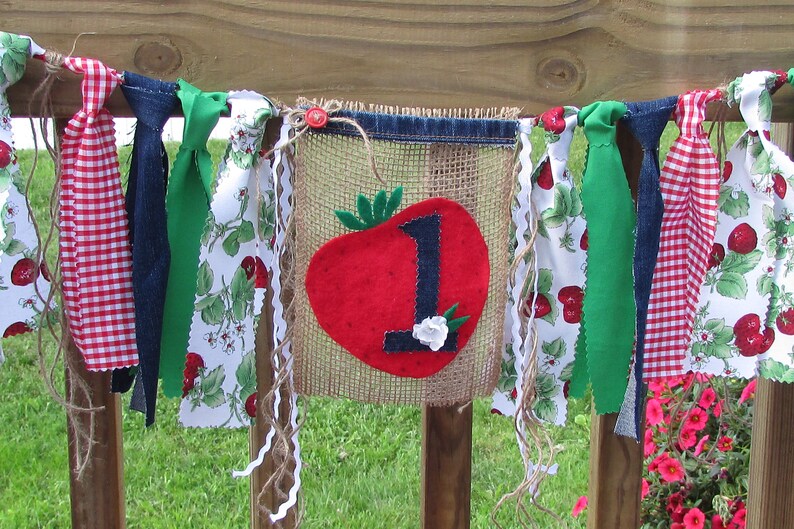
(733,202)
(545,410)
(232,276)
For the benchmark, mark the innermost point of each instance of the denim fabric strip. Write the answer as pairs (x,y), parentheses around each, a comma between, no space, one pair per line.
(418,129)
(646,121)
(152,102)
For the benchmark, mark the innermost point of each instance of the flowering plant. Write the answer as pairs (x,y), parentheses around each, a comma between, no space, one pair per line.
(697,449)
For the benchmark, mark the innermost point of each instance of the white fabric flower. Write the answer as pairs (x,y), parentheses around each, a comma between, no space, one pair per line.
(432,332)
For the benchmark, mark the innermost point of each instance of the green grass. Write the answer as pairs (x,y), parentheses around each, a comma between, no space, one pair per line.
(361,461)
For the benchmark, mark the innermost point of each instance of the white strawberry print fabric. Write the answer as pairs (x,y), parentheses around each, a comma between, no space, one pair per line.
(560,253)
(745,319)
(20,273)
(219,386)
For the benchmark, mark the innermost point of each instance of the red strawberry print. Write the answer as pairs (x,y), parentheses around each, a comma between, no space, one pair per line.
(545,179)
(756,343)
(571,294)
(194,360)
(260,274)
(785,322)
(45,272)
(747,325)
(249,265)
(362,286)
(716,255)
(727,170)
(553,120)
(494,411)
(752,133)
(767,135)
(584,242)
(250,405)
(742,239)
(17,328)
(779,185)
(572,313)
(24,272)
(5,154)
(780,79)
(542,306)
(188,384)
(514,394)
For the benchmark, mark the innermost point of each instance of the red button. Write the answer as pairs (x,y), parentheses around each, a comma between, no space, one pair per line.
(316,118)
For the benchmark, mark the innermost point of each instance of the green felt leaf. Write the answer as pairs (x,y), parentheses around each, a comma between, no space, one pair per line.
(246,374)
(349,220)
(213,380)
(546,386)
(245,233)
(765,106)
(741,263)
(545,410)
(204,279)
(772,369)
(214,399)
(545,277)
(231,245)
(365,210)
(379,207)
(212,310)
(394,202)
(455,324)
(554,349)
(450,312)
(732,285)
(734,207)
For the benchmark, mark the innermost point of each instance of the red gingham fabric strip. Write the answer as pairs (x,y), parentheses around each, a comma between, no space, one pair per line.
(96,261)
(690,186)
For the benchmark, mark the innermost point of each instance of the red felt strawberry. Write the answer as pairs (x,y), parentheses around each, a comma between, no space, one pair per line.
(545,179)
(779,185)
(368,289)
(24,272)
(785,321)
(17,328)
(742,239)
(5,154)
(553,120)
(716,255)
(727,170)
(250,405)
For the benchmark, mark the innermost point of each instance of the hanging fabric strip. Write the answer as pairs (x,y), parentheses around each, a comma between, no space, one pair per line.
(187,202)
(282,360)
(24,281)
(152,102)
(744,322)
(689,184)
(95,251)
(646,121)
(219,377)
(608,309)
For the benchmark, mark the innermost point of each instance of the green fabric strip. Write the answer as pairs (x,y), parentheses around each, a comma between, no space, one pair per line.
(608,306)
(187,203)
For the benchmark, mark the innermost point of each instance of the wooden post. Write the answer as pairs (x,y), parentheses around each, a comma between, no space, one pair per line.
(97,499)
(770,501)
(616,461)
(446,467)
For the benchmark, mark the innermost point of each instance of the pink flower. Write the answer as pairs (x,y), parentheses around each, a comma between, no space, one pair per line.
(654,413)
(653,466)
(694,519)
(656,388)
(707,398)
(579,506)
(725,444)
(716,522)
(646,488)
(739,519)
(671,470)
(718,409)
(697,418)
(650,445)
(701,446)
(748,392)
(687,438)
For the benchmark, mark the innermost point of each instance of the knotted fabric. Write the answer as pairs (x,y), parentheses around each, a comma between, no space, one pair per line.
(152,102)
(646,122)
(606,339)
(187,202)
(744,323)
(690,186)
(96,263)
(21,275)
(219,378)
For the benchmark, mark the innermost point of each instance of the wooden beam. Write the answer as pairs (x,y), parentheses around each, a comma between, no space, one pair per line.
(446,467)
(770,501)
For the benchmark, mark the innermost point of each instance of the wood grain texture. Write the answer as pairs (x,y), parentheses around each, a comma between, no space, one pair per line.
(529,53)
(615,477)
(446,467)
(770,501)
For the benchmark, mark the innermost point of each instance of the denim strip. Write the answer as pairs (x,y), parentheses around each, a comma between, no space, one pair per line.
(418,129)
(152,102)
(646,121)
